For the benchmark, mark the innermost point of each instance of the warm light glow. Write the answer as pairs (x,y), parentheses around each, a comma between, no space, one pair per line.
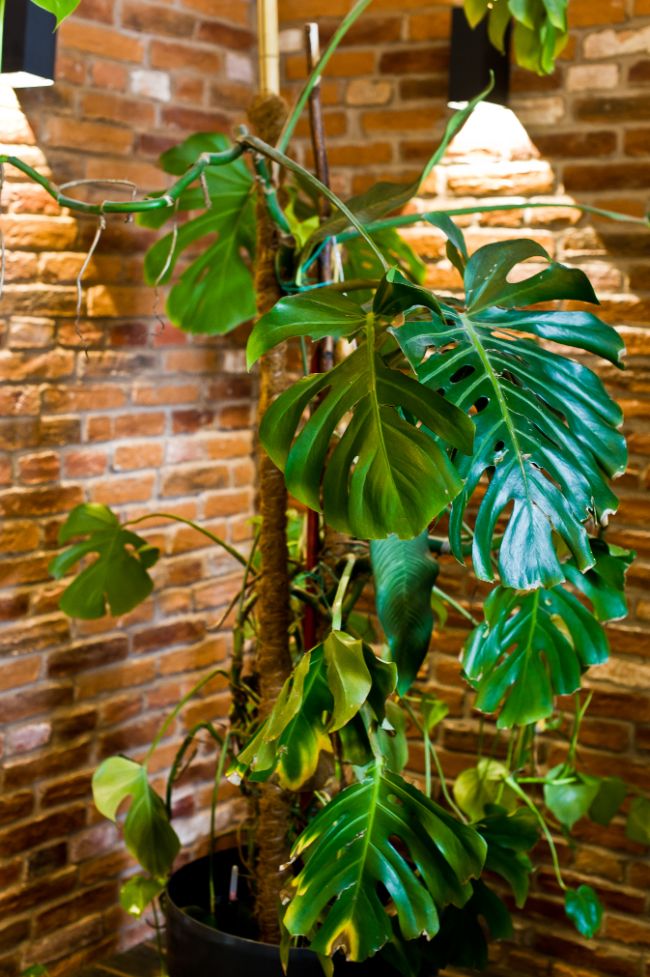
(23,79)
(493,128)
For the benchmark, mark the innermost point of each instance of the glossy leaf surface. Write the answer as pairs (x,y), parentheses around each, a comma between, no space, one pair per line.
(539,29)
(509,836)
(379,835)
(569,794)
(404,575)
(118,579)
(530,648)
(382,475)
(546,430)
(483,785)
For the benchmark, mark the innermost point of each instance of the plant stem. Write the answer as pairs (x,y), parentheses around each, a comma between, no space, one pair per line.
(457,607)
(218,777)
(512,783)
(337,606)
(318,70)
(200,529)
(177,708)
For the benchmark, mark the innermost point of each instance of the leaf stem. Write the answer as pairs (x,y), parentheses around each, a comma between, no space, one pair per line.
(200,529)
(337,606)
(319,68)
(514,786)
(177,708)
(455,604)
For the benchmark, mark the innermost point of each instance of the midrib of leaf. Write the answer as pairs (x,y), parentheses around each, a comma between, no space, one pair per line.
(374,401)
(374,803)
(531,633)
(482,354)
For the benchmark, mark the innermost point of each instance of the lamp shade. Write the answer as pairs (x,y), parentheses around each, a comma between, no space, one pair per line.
(473,57)
(28,45)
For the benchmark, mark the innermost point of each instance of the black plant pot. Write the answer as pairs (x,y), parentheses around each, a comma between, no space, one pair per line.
(196,949)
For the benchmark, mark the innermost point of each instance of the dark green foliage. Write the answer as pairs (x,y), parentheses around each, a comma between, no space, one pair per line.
(404,574)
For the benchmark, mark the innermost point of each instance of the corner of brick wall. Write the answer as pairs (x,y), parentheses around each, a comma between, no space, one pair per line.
(115,407)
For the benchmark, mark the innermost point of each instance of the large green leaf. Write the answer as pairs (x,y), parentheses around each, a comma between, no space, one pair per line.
(317,314)
(117,578)
(325,692)
(379,836)
(546,430)
(382,475)
(147,832)
(215,292)
(360,261)
(404,574)
(530,648)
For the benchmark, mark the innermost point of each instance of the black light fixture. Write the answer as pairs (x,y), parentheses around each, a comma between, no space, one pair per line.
(28,45)
(473,57)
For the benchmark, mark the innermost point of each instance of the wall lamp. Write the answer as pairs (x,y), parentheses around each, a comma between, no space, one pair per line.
(473,56)
(28,45)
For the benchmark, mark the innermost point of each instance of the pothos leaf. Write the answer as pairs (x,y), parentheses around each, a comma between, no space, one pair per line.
(584,909)
(118,578)
(404,574)
(379,835)
(483,785)
(540,28)
(546,430)
(325,692)
(612,791)
(215,293)
(148,833)
(569,794)
(530,648)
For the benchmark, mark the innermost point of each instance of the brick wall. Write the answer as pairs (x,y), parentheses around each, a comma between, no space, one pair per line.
(115,409)
(590,125)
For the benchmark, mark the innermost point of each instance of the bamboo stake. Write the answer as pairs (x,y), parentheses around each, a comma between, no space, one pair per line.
(269,46)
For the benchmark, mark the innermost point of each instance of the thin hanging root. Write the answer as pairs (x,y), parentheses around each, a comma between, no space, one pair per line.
(101,227)
(206,193)
(164,270)
(108,182)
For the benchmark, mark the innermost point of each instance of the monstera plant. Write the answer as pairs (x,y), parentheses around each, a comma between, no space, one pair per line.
(468,424)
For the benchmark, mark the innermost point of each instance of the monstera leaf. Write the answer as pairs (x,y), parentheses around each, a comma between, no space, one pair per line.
(546,430)
(327,689)
(509,836)
(215,293)
(539,33)
(383,475)
(117,578)
(531,647)
(404,574)
(379,849)
(147,832)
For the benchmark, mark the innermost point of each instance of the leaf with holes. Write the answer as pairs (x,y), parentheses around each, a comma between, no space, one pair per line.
(382,475)
(546,430)
(404,574)
(530,648)
(118,578)
(380,848)
(214,293)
